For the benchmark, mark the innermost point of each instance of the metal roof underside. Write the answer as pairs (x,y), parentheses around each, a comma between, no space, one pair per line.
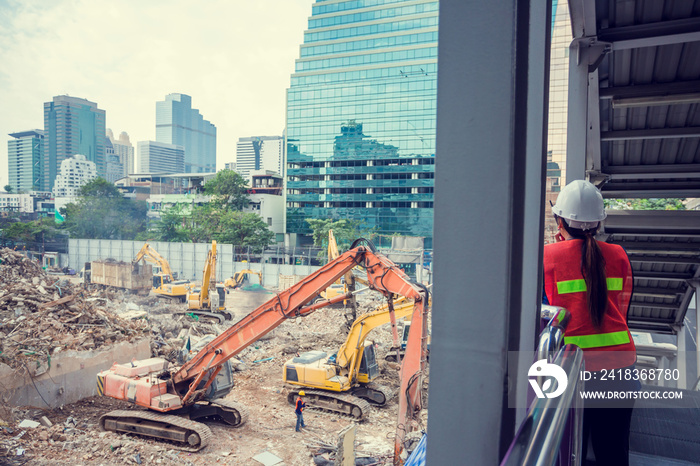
(644,124)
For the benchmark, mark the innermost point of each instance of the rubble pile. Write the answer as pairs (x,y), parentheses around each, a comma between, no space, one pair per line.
(40,316)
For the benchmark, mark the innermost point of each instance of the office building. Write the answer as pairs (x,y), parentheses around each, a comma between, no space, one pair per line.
(230,166)
(25,160)
(114,168)
(124,150)
(260,153)
(361,113)
(158,157)
(180,124)
(73,174)
(72,126)
(558,109)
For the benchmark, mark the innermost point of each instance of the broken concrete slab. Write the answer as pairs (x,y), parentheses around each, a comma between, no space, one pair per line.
(267,458)
(28,424)
(72,375)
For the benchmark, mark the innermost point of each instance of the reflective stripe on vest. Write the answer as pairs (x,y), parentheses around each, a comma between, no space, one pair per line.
(576,286)
(599,340)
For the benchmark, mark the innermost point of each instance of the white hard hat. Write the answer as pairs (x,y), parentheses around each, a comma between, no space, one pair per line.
(581,205)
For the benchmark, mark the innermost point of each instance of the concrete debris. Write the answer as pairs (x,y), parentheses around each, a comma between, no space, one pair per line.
(28,424)
(93,318)
(40,314)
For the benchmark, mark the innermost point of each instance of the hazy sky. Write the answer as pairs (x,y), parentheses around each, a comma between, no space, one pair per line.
(234,57)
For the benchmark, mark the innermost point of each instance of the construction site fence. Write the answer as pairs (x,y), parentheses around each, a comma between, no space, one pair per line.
(280,266)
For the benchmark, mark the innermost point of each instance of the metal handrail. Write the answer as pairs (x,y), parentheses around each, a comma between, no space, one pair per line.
(552,336)
(539,438)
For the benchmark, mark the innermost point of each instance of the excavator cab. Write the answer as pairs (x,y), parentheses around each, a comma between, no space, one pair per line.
(369,368)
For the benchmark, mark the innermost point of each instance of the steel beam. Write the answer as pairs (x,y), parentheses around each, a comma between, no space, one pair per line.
(660,133)
(648,222)
(660,247)
(652,34)
(651,190)
(670,276)
(664,260)
(649,90)
(651,291)
(672,307)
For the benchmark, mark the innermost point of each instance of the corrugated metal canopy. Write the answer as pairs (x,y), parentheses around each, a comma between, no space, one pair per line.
(642,137)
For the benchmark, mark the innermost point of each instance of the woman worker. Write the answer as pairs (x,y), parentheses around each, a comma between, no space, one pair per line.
(593,280)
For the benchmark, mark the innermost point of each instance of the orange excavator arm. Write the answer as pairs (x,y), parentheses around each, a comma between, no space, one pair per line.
(382,275)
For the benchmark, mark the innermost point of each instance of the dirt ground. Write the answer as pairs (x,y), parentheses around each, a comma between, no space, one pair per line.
(75,437)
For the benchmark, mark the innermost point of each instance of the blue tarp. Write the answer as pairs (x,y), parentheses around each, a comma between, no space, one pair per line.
(417,458)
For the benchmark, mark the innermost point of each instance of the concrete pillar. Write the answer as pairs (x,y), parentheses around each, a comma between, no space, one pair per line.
(492,84)
(681,358)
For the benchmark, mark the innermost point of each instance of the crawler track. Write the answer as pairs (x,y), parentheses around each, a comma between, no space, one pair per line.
(331,402)
(185,434)
(377,394)
(230,412)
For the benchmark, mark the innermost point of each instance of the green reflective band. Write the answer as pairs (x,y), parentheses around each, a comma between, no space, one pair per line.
(561,315)
(615,284)
(577,286)
(599,340)
(571,286)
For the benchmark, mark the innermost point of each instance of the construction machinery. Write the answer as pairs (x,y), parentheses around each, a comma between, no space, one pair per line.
(340,382)
(209,300)
(240,277)
(164,283)
(196,387)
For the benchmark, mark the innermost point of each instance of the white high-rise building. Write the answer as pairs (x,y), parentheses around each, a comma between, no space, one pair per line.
(260,153)
(72,175)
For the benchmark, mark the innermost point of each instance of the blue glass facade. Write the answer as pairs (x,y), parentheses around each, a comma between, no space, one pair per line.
(361,113)
(25,160)
(180,124)
(72,126)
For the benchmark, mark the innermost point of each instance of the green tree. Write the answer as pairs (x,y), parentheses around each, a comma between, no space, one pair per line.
(33,231)
(102,212)
(229,227)
(170,227)
(7,188)
(345,231)
(243,229)
(645,204)
(228,189)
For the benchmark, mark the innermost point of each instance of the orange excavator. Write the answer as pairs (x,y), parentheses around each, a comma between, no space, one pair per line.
(196,389)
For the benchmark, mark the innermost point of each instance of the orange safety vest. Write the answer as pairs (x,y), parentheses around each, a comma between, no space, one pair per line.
(610,346)
(300,405)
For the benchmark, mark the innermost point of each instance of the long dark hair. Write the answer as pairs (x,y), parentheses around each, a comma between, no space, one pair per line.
(593,271)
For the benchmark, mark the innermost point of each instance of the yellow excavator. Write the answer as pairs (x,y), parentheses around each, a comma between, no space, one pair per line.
(164,284)
(240,277)
(334,383)
(209,300)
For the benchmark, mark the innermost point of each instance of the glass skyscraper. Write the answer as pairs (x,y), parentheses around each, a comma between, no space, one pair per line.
(361,111)
(72,126)
(180,124)
(25,160)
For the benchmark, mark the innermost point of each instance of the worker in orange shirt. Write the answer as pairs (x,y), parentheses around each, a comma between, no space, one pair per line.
(300,405)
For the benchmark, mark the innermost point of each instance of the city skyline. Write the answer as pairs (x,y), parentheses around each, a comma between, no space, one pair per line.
(235,60)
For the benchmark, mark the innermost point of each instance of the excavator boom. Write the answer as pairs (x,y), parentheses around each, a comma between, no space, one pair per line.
(151,384)
(382,275)
(149,254)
